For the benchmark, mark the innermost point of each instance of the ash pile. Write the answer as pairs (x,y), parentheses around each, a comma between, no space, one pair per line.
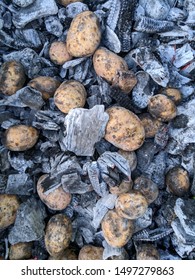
(97,126)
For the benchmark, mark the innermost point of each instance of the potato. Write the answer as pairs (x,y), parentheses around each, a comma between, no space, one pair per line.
(151,125)
(69,95)
(125,80)
(68,254)
(58,53)
(162,108)
(84,35)
(147,252)
(67,2)
(20,137)
(46,85)
(116,229)
(57,199)
(12,77)
(58,234)
(20,251)
(177,181)
(131,205)
(124,129)
(9,205)
(124,187)
(89,252)
(130,157)
(173,93)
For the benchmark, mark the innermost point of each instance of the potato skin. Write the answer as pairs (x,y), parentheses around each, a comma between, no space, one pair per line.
(20,251)
(69,95)
(9,205)
(67,2)
(117,230)
(84,35)
(89,252)
(58,53)
(21,137)
(12,77)
(125,80)
(151,125)
(123,187)
(147,252)
(173,93)
(58,199)
(58,234)
(124,129)
(46,85)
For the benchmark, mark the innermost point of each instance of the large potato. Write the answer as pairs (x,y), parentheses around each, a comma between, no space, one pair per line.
(69,95)
(58,234)
(58,53)
(46,85)
(9,205)
(67,2)
(89,252)
(124,129)
(20,251)
(84,35)
(12,77)
(20,137)
(58,199)
(117,230)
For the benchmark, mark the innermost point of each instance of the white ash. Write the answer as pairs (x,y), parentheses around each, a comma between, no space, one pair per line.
(73,9)
(157,9)
(144,221)
(111,40)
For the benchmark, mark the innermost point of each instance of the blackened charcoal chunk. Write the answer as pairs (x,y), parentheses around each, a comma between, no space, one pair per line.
(145,155)
(29,224)
(20,184)
(23,3)
(73,9)
(18,162)
(1,23)
(3,182)
(4,163)
(54,26)
(180,121)
(144,221)
(29,36)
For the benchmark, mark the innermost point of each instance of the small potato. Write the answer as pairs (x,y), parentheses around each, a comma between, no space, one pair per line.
(116,229)
(151,125)
(84,35)
(69,95)
(124,129)
(173,93)
(125,80)
(20,137)
(68,254)
(147,252)
(131,157)
(58,234)
(9,205)
(162,108)
(20,251)
(58,53)
(89,252)
(12,77)
(131,205)
(124,187)
(58,199)
(67,2)
(46,85)
(177,181)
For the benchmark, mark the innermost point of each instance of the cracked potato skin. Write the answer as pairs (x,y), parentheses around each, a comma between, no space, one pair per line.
(90,252)
(9,204)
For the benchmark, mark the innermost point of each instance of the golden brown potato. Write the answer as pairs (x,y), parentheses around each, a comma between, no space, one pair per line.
(162,108)
(130,157)
(124,187)
(67,2)
(173,93)
(151,125)
(177,181)
(69,95)
(125,80)
(124,129)
(20,251)
(131,205)
(84,35)
(9,205)
(57,199)
(12,77)
(147,252)
(21,137)
(116,229)
(68,254)
(46,85)
(58,53)
(58,234)
(89,252)
(147,187)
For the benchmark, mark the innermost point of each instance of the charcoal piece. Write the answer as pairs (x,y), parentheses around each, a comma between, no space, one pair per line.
(54,26)
(73,9)
(152,235)
(8,41)
(183,55)
(176,14)
(166,255)
(39,251)
(73,63)
(71,183)
(145,155)
(30,36)
(103,146)
(149,25)
(162,136)
(80,225)
(181,234)
(110,251)
(20,184)
(113,14)
(105,90)
(4,163)
(111,40)
(19,163)
(84,128)
(1,23)
(62,15)
(3,183)
(23,3)
(88,199)
(29,224)
(86,212)
(10,122)
(144,221)
(40,9)
(5,116)
(157,9)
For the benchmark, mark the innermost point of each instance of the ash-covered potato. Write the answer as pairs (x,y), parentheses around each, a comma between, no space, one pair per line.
(58,53)
(116,230)
(20,251)
(147,252)
(9,205)
(84,35)
(151,125)
(90,252)
(46,85)
(123,187)
(131,205)
(162,108)
(21,137)
(177,181)
(68,254)
(70,95)
(57,199)
(130,157)
(12,77)
(58,234)
(147,187)
(67,2)
(124,129)
(173,93)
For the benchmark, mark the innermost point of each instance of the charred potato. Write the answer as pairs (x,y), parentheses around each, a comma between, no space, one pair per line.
(125,80)
(124,129)
(147,252)
(9,205)
(151,125)
(58,53)
(69,95)
(67,2)
(124,187)
(173,93)
(89,252)
(20,137)
(20,251)
(130,157)
(12,77)
(84,35)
